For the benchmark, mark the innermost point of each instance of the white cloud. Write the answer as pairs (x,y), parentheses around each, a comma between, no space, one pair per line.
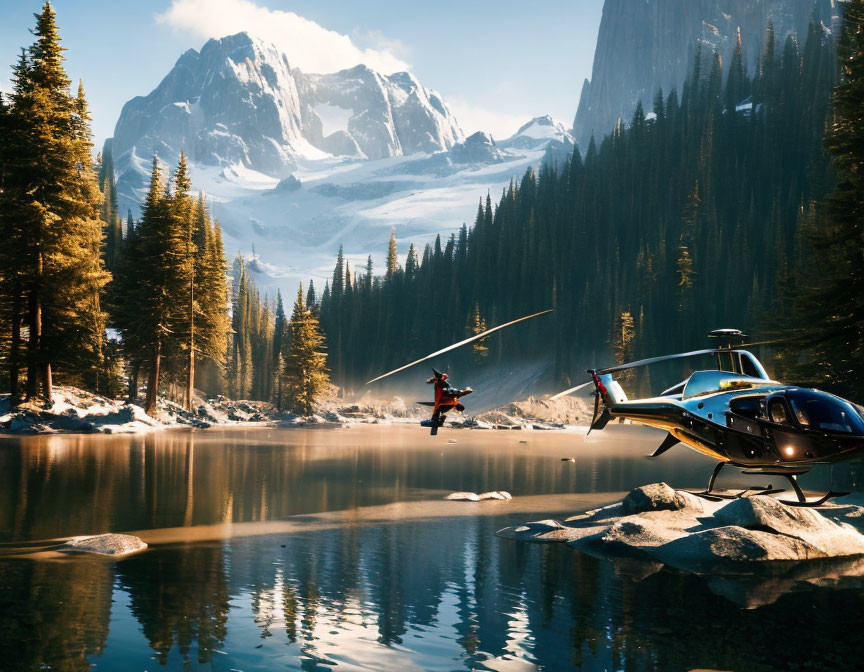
(309,46)
(472,118)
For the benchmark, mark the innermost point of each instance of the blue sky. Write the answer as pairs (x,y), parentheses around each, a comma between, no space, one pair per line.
(496,62)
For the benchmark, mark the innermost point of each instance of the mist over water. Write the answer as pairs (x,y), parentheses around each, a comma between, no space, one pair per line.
(360,581)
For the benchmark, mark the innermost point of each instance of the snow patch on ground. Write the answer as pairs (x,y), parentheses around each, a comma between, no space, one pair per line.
(74,410)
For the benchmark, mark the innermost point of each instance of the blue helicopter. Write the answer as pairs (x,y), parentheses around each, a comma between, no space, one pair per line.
(739,416)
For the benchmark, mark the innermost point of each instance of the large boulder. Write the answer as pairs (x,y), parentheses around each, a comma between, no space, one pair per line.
(761,512)
(656,497)
(733,544)
(685,531)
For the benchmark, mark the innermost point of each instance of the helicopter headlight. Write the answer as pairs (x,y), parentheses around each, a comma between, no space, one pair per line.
(789,451)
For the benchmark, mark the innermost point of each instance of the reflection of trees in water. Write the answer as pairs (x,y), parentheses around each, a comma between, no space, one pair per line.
(450,586)
(63,485)
(53,613)
(492,597)
(180,598)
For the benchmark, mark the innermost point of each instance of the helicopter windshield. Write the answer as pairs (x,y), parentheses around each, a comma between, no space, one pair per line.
(825,412)
(708,382)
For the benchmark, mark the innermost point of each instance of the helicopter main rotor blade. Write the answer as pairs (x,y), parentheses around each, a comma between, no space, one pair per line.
(655,360)
(633,365)
(771,342)
(460,344)
(570,391)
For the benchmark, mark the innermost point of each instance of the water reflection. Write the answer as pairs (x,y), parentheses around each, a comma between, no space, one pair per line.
(407,596)
(67,485)
(410,595)
(53,612)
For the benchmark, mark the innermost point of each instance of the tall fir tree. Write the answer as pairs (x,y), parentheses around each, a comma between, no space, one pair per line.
(830,315)
(49,218)
(305,373)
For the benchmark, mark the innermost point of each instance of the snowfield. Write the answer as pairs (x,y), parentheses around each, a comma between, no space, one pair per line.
(296,164)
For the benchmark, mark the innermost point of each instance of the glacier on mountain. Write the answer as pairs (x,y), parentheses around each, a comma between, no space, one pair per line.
(295,164)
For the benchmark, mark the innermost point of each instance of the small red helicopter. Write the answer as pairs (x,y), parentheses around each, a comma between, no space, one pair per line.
(447,397)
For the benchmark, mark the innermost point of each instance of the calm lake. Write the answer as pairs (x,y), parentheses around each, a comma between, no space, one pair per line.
(285,549)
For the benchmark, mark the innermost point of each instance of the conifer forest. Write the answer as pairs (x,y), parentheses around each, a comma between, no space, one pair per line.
(736,200)
(440,335)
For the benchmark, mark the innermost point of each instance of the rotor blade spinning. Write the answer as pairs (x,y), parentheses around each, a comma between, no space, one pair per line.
(460,344)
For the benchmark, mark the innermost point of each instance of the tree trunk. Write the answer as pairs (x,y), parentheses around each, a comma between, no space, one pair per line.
(15,346)
(190,373)
(133,382)
(153,381)
(47,382)
(34,323)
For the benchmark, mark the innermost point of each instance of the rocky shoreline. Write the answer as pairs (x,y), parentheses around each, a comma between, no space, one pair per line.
(76,411)
(676,528)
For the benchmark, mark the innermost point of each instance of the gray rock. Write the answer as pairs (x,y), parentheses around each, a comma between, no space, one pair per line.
(760,512)
(477,148)
(684,531)
(648,530)
(106,544)
(463,497)
(654,497)
(733,544)
(496,494)
(474,497)
(290,183)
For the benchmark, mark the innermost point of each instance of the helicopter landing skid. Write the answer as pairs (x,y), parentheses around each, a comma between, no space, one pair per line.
(790,475)
(719,496)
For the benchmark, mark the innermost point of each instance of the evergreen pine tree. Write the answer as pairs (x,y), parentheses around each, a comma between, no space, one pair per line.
(392,256)
(832,319)
(49,217)
(305,373)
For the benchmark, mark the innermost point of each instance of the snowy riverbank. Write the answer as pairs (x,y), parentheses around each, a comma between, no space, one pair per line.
(77,411)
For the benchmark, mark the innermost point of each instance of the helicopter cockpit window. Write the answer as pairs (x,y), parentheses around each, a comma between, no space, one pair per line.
(777,411)
(825,412)
(747,406)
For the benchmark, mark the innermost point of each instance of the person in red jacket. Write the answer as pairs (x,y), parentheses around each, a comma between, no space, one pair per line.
(446,399)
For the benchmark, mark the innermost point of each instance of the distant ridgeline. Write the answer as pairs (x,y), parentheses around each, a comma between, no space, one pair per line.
(681,222)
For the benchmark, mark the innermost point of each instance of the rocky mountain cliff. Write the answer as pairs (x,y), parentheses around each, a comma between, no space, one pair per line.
(296,164)
(648,44)
(238,104)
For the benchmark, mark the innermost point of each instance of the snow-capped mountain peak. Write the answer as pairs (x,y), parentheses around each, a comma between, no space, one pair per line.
(538,131)
(238,102)
(296,164)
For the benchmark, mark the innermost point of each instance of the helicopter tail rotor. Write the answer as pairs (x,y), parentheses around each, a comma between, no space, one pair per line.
(607,393)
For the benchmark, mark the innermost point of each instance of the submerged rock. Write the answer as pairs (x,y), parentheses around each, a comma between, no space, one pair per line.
(106,544)
(474,497)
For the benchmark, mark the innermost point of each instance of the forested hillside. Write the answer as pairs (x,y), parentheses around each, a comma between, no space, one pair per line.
(671,226)
(725,207)
(69,269)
